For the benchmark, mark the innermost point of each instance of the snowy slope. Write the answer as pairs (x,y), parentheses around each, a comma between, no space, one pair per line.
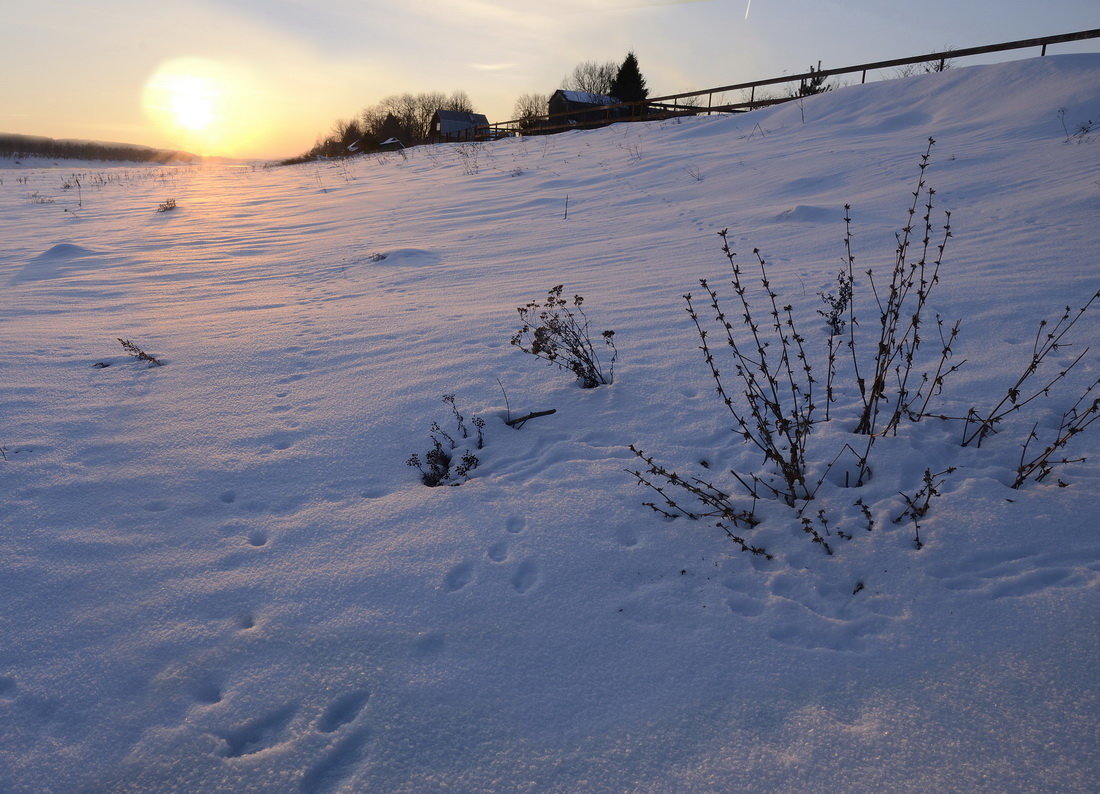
(219,574)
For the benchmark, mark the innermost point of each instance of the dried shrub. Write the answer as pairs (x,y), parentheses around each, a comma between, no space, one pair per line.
(557,332)
(451,458)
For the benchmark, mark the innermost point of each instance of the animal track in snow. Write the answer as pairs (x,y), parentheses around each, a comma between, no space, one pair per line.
(343,710)
(834,635)
(205,691)
(815,615)
(430,644)
(744,598)
(515,524)
(278,441)
(1033,582)
(742,604)
(7,687)
(525,577)
(257,537)
(337,764)
(1008,573)
(498,552)
(257,734)
(627,537)
(459,576)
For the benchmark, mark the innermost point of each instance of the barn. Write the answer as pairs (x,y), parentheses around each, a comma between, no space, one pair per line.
(579,107)
(456,125)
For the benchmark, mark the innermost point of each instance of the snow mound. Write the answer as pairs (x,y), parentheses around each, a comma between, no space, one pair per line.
(808,214)
(58,261)
(65,251)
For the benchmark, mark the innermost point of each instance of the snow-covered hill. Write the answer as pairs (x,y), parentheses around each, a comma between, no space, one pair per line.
(220,575)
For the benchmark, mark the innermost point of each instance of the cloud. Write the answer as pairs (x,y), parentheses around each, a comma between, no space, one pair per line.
(334,28)
(492,67)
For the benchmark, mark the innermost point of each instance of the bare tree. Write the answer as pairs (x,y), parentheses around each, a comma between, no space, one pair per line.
(530,106)
(408,117)
(403,109)
(595,78)
(347,132)
(426,105)
(459,101)
(371,119)
(927,67)
(942,65)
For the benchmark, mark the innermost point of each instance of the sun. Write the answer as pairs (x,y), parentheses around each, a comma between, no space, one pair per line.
(191,100)
(202,105)
(185,94)
(214,107)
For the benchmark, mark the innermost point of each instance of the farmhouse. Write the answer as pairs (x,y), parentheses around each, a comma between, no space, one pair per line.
(579,107)
(454,125)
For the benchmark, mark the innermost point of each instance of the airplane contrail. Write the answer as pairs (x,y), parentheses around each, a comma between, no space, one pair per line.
(748,5)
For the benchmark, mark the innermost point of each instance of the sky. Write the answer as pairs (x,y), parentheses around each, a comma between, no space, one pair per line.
(266,78)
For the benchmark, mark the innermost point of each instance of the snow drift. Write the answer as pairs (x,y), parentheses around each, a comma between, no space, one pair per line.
(219,574)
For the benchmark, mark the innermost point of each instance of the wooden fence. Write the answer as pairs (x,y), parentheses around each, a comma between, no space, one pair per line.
(691,102)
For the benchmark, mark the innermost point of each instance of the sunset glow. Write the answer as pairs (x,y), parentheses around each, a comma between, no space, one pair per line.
(184,94)
(250,79)
(206,106)
(191,102)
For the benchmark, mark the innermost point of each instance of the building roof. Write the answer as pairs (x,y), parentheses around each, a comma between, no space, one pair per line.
(477,119)
(587,98)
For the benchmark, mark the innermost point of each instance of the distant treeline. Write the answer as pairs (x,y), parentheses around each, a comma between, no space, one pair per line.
(403,117)
(407,118)
(13,146)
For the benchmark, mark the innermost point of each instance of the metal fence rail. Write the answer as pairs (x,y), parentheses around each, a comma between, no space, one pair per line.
(672,104)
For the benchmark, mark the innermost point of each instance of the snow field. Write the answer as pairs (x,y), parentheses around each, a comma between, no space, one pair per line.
(219,574)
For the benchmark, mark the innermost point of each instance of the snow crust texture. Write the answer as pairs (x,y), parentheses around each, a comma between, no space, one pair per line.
(219,575)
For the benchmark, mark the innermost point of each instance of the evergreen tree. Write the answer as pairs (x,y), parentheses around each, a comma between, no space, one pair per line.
(813,85)
(629,85)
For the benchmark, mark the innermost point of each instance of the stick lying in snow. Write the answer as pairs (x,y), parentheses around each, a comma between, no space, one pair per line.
(521,421)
